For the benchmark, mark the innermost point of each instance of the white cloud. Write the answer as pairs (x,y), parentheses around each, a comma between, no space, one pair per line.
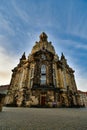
(70,10)
(82,83)
(7,63)
(80,76)
(20,12)
(3,39)
(81,46)
(33,17)
(5,43)
(73,43)
(5,25)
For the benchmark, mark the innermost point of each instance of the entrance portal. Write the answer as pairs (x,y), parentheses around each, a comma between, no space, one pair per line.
(43,99)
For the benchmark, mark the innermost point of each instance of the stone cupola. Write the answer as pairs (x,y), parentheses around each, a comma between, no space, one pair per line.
(43,44)
(43,37)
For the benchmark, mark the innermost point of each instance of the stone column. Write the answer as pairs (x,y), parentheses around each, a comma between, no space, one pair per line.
(60,78)
(56,71)
(21,79)
(64,78)
(55,75)
(28,78)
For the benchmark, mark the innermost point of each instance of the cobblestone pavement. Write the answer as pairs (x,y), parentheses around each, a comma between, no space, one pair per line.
(43,119)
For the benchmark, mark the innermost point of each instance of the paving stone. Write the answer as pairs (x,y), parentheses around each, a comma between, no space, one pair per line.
(43,119)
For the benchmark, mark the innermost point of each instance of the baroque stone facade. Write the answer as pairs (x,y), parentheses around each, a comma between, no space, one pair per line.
(43,79)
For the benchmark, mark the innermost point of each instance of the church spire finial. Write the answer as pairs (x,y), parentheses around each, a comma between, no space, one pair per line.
(62,56)
(43,36)
(23,57)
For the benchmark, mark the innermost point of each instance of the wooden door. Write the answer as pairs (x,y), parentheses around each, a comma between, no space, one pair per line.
(43,98)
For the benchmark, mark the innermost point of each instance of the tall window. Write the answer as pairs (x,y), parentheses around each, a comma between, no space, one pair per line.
(43,74)
(43,79)
(43,69)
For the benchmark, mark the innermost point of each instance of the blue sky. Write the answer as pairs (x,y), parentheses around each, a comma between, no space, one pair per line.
(65,23)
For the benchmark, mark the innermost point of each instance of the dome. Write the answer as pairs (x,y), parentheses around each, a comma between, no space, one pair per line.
(43,44)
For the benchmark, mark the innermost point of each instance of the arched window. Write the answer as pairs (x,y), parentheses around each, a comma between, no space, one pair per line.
(43,74)
(43,69)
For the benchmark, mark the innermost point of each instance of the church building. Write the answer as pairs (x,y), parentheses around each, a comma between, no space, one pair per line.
(43,79)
